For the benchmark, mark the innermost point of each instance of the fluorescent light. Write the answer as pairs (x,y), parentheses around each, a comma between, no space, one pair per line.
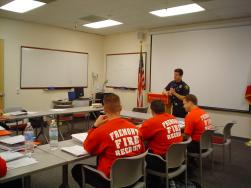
(21,6)
(184,9)
(102,24)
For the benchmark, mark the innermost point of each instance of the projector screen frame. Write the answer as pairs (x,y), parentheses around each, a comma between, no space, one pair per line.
(204,107)
(51,49)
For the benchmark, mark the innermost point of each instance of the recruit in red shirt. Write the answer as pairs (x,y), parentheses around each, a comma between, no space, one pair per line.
(3,168)
(115,139)
(161,132)
(196,122)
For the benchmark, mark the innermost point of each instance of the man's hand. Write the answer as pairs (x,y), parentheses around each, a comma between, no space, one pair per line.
(172,91)
(101,120)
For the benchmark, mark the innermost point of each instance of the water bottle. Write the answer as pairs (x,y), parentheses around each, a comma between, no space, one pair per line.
(53,133)
(172,184)
(29,137)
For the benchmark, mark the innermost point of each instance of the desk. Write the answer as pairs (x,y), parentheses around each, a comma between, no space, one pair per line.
(86,109)
(65,156)
(45,161)
(136,115)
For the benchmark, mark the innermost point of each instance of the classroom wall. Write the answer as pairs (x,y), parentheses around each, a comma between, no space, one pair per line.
(17,33)
(128,42)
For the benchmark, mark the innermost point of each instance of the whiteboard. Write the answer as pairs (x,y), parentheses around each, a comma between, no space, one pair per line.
(122,70)
(216,64)
(47,68)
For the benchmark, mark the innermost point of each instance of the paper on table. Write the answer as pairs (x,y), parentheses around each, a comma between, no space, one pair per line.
(79,137)
(1,128)
(57,110)
(13,140)
(75,150)
(181,124)
(21,162)
(10,156)
(31,113)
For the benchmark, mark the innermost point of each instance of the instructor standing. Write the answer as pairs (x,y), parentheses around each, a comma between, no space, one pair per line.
(177,90)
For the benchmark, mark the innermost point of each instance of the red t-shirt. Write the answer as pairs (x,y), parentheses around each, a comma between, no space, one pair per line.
(161,132)
(115,139)
(3,168)
(196,122)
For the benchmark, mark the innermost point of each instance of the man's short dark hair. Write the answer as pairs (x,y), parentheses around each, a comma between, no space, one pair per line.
(191,98)
(180,71)
(157,107)
(112,103)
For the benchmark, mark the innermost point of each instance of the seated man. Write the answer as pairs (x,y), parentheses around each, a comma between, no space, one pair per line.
(110,138)
(3,167)
(196,122)
(161,131)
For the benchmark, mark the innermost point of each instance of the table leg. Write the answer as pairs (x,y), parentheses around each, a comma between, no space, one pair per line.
(65,183)
(27,182)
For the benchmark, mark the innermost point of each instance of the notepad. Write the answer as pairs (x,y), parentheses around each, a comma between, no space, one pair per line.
(79,137)
(75,150)
(10,156)
(13,140)
(25,161)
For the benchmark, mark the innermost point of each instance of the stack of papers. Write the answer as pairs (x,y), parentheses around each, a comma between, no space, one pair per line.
(25,161)
(10,156)
(76,150)
(14,143)
(79,137)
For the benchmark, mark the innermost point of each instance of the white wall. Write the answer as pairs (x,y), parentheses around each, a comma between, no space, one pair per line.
(17,33)
(128,42)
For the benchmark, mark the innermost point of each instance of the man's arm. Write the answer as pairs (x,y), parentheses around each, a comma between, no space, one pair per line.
(167,89)
(188,127)
(94,143)
(3,167)
(185,92)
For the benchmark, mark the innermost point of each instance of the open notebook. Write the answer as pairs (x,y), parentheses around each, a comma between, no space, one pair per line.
(79,137)
(10,156)
(76,150)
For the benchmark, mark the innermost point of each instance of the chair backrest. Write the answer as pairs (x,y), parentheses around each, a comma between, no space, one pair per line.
(13,109)
(127,171)
(227,130)
(176,154)
(140,109)
(206,139)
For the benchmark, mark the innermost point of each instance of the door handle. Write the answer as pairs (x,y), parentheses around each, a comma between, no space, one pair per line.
(1,94)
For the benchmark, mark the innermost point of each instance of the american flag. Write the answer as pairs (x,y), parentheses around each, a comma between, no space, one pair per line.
(141,81)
